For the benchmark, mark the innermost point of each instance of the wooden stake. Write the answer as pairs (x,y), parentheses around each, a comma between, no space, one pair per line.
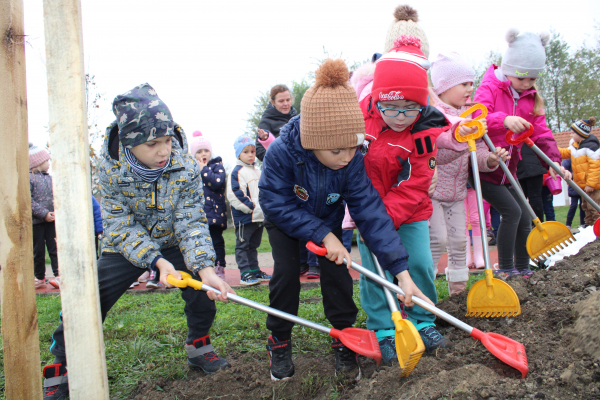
(19,314)
(73,200)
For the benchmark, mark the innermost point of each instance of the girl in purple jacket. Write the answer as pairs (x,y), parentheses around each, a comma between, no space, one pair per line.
(513,103)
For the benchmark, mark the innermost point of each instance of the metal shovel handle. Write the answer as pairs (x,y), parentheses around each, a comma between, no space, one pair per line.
(388,295)
(418,301)
(320,250)
(262,307)
(511,179)
(579,190)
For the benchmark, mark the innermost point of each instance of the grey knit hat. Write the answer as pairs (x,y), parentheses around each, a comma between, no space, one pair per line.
(526,54)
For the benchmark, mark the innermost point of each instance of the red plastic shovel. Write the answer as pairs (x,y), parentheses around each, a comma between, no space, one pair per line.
(359,340)
(524,137)
(507,350)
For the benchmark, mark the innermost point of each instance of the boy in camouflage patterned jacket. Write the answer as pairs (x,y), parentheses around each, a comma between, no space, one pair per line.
(152,206)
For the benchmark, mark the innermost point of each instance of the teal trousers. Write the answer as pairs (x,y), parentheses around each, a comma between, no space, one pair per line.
(415,237)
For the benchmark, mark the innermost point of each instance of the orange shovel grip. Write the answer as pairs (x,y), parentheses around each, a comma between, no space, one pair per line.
(474,122)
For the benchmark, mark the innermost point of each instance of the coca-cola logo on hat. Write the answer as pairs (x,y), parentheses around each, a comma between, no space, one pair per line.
(391,96)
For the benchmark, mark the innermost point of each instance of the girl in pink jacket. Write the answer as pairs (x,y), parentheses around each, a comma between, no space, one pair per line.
(452,77)
(513,103)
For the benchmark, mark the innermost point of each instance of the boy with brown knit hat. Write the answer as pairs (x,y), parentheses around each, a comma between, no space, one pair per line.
(305,179)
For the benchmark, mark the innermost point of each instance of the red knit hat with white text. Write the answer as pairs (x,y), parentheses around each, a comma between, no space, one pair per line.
(401,74)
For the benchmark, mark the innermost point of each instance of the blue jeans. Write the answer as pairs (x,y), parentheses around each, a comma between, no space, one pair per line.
(547,199)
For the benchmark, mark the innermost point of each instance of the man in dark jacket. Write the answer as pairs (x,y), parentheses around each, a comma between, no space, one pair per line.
(278,113)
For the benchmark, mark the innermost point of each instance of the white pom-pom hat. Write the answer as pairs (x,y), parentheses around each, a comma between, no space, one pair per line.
(526,54)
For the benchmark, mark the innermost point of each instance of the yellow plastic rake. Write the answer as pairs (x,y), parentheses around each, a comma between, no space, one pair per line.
(490,297)
(548,237)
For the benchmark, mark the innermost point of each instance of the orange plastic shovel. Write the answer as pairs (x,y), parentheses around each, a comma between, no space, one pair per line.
(507,350)
(359,340)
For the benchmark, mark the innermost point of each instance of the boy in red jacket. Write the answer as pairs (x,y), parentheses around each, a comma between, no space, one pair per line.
(400,151)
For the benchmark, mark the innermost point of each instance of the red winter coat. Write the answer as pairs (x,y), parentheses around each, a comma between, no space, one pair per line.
(401,164)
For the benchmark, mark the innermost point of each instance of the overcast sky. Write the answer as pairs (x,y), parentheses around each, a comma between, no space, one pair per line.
(209,60)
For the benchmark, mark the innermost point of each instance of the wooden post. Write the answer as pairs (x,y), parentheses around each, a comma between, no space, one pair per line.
(73,200)
(19,313)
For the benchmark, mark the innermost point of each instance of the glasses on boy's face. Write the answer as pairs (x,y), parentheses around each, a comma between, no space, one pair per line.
(394,112)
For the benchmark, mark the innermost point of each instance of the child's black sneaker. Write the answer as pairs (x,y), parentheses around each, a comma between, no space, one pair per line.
(388,350)
(201,355)
(346,361)
(263,277)
(314,272)
(56,384)
(249,279)
(433,340)
(280,358)
(303,269)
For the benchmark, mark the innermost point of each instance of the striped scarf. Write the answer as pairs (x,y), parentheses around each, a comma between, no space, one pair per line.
(145,173)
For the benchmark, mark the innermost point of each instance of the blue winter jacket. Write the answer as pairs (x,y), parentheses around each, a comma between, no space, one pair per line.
(214,182)
(97,216)
(305,199)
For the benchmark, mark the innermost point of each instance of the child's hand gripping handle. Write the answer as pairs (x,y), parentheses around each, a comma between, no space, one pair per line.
(185,281)
(523,137)
(472,123)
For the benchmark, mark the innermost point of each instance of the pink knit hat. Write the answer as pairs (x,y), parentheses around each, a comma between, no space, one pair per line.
(37,156)
(199,142)
(449,70)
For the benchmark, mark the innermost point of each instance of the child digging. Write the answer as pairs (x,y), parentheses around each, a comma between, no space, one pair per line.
(400,159)
(308,172)
(148,183)
(242,193)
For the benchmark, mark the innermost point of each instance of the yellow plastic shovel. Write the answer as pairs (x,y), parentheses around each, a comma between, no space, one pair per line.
(409,345)
(490,297)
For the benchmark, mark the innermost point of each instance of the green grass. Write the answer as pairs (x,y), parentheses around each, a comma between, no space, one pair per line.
(144,334)
(561,216)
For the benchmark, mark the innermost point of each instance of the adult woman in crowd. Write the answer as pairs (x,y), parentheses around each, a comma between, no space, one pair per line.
(279,111)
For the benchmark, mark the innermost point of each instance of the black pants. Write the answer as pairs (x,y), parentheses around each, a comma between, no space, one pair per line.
(116,274)
(247,241)
(532,187)
(44,236)
(514,227)
(336,285)
(216,233)
(575,201)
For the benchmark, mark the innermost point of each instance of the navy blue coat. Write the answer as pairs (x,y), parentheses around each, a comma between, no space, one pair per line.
(214,181)
(305,199)
(567,165)
(97,216)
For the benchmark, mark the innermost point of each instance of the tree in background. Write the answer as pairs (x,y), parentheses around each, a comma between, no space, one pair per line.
(571,83)
(94,100)
(297,91)
(493,57)
(552,84)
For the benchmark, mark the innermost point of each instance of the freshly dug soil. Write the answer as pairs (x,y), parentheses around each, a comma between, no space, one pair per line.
(559,326)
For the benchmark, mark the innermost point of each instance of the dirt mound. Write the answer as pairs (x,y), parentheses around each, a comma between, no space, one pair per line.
(586,332)
(562,350)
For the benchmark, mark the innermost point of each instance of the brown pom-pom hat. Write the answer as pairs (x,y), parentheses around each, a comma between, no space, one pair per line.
(331,117)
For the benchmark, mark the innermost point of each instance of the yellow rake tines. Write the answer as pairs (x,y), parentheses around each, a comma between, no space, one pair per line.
(547,239)
(409,345)
(492,298)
